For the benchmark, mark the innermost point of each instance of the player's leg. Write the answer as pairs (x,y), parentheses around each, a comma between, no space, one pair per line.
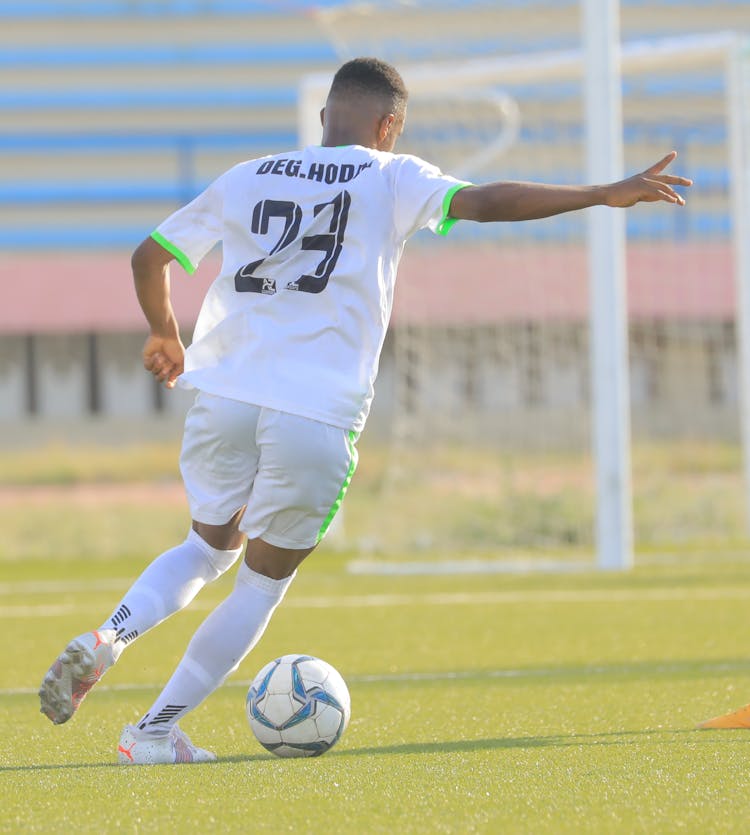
(303,473)
(167,585)
(174,578)
(218,646)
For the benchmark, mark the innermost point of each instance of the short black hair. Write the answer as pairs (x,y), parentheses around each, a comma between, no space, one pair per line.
(371,76)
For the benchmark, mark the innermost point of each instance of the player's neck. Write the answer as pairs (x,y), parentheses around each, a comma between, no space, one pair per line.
(335,139)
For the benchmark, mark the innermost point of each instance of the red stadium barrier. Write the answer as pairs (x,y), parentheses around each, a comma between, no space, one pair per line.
(465,285)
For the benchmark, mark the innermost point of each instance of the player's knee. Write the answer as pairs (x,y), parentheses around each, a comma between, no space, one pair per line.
(272,561)
(226,537)
(221,559)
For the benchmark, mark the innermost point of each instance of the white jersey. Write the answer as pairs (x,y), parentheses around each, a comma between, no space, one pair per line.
(296,319)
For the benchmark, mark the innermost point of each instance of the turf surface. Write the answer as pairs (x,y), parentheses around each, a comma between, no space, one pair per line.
(540,703)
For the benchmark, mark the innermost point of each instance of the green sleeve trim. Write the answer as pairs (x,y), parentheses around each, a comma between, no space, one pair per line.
(178,253)
(447,222)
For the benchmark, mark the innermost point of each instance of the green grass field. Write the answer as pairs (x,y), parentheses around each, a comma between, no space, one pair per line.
(499,704)
(492,704)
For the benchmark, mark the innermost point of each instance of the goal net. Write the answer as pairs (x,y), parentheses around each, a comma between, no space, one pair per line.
(479,444)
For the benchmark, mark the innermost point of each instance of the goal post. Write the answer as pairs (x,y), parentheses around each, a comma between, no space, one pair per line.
(607,288)
(677,268)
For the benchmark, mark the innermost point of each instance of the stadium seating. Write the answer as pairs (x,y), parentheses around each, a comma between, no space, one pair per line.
(116,112)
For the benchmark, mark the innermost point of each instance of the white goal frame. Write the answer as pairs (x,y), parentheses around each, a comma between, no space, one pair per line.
(600,64)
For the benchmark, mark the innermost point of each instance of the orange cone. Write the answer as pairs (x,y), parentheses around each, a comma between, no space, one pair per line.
(736,719)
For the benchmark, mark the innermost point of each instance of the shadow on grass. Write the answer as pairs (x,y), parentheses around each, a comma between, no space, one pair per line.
(660,736)
(647,670)
(623,738)
(4,769)
(552,741)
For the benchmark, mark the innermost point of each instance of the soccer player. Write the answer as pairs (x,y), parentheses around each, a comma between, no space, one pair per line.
(284,357)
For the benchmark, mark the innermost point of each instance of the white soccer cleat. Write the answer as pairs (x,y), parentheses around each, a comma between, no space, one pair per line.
(80,666)
(139,748)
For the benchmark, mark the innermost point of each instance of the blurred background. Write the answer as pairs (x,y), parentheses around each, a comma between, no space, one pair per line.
(117,112)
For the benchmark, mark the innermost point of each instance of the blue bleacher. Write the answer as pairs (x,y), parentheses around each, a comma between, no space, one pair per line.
(184,185)
(189,8)
(155,8)
(277,99)
(95,99)
(164,54)
(212,98)
(256,54)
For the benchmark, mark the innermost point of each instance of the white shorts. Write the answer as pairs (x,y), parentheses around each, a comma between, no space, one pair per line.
(290,471)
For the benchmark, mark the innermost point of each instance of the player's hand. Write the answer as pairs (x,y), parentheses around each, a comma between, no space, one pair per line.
(648,187)
(164,357)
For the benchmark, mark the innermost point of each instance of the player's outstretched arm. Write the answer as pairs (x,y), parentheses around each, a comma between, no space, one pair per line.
(530,201)
(163,353)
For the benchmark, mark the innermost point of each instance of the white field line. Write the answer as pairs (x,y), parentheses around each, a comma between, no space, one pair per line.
(717,668)
(491,598)
(61,586)
(467,566)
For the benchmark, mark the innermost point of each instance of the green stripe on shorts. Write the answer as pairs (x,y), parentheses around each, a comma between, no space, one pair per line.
(350,440)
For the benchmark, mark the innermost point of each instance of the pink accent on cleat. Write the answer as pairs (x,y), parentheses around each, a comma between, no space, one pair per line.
(78,668)
(139,748)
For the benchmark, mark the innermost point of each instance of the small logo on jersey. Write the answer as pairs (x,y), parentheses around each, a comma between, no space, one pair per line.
(246,282)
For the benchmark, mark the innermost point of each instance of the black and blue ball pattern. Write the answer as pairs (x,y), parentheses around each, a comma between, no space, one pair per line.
(298,706)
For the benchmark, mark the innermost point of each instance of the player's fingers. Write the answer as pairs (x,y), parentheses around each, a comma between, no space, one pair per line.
(675,180)
(165,373)
(669,197)
(159,366)
(664,191)
(152,361)
(177,369)
(658,167)
(158,369)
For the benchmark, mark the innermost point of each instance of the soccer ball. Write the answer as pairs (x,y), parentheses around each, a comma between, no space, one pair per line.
(298,706)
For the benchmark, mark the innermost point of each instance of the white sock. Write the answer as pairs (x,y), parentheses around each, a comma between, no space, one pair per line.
(166,586)
(217,648)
